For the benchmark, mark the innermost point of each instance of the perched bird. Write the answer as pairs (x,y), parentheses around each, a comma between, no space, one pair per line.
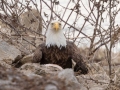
(57,50)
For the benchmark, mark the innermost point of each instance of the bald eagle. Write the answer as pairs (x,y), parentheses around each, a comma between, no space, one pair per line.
(57,50)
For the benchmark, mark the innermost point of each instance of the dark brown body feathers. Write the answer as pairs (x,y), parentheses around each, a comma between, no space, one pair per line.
(61,56)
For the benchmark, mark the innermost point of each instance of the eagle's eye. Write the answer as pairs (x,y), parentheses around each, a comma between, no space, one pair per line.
(52,23)
(60,24)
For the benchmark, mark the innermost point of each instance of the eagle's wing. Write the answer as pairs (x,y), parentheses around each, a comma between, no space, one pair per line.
(37,54)
(78,58)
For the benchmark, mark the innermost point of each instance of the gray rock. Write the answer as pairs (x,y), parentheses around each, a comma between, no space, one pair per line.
(51,87)
(27,59)
(96,88)
(116,77)
(3,63)
(95,68)
(30,15)
(12,79)
(71,81)
(36,68)
(8,52)
(97,79)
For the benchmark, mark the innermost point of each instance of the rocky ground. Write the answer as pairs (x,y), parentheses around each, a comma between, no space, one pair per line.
(33,76)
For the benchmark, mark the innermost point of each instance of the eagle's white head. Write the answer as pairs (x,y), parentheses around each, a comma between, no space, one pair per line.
(55,36)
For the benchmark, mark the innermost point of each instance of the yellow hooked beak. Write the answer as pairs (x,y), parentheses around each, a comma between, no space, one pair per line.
(56,26)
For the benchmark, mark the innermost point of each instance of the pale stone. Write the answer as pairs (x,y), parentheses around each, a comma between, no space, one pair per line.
(8,52)
(70,80)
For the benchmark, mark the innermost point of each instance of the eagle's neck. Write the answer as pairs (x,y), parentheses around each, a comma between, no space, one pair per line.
(54,38)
